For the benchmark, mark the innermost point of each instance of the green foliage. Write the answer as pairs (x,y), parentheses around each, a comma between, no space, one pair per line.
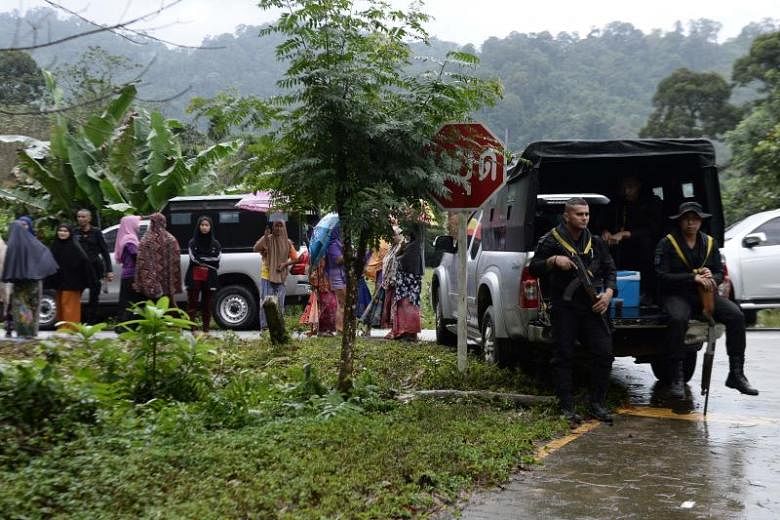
(358,128)
(164,362)
(691,104)
(21,81)
(755,142)
(118,159)
(40,405)
(268,425)
(761,64)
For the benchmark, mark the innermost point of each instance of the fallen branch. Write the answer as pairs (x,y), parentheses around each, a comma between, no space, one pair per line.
(521,399)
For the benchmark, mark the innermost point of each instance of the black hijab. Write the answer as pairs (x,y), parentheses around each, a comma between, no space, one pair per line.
(68,253)
(26,258)
(203,241)
(411,259)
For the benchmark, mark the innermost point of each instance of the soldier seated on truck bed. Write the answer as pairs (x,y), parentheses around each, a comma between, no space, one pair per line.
(631,226)
(685,260)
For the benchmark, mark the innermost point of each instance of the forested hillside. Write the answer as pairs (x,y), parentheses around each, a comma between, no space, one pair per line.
(565,86)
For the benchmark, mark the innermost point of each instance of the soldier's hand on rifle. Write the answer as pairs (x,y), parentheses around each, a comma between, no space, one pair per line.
(707,283)
(561,262)
(602,303)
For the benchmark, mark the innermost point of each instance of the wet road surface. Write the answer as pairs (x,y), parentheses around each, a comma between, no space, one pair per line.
(662,459)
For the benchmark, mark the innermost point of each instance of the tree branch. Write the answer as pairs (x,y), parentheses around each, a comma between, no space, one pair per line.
(98,28)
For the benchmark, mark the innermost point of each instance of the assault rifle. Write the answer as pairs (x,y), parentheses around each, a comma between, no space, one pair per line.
(707,307)
(587,284)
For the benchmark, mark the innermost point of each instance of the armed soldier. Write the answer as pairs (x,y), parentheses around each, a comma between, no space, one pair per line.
(685,260)
(575,313)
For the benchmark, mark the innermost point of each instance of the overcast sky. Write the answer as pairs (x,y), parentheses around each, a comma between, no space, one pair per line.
(461,21)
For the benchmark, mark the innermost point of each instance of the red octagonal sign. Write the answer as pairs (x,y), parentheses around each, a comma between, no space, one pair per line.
(481,158)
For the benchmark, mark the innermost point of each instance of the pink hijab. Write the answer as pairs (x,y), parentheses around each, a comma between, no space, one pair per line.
(127,234)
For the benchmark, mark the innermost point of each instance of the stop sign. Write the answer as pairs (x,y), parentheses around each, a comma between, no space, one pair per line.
(481,158)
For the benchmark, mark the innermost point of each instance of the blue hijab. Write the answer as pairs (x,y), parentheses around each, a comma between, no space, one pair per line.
(26,258)
(29,221)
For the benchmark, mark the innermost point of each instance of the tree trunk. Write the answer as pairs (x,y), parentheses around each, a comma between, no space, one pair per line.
(275,321)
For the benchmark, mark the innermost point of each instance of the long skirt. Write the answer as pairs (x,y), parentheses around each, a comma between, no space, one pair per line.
(68,308)
(269,288)
(406,320)
(25,306)
(387,309)
(372,316)
(328,306)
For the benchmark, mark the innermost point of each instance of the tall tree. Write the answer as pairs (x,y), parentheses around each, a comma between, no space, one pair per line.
(21,81)
(755,142)
(691,104)
(359,129)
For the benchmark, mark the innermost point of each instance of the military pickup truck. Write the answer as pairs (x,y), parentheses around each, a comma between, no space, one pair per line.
(506,308)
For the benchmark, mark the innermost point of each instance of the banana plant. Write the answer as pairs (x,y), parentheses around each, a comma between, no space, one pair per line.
(120,160)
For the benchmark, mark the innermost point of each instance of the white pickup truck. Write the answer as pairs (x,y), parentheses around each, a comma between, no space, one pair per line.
(237,300)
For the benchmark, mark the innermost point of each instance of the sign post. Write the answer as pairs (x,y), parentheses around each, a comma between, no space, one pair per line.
(482,172)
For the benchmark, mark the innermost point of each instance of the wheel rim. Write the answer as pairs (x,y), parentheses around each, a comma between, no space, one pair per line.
(489,342)
(48,310)
(233,310)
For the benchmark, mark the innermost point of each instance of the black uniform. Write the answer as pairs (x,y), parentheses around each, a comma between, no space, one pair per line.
(571,313)
(94,246)
(643,218)
(680,298)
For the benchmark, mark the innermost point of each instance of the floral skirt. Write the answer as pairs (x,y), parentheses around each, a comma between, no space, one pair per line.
(25,305)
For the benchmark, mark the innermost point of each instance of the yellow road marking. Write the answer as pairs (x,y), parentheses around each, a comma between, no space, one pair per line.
(557,444)
(668,413)
(658,413)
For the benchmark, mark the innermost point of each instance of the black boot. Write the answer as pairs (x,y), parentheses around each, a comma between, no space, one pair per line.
(567,410)
(736,378)
(677,382)
(600,412)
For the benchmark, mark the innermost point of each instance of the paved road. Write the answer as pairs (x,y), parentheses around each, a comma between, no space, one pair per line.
(663,459)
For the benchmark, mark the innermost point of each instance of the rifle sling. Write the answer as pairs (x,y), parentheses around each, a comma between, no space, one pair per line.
(678,250)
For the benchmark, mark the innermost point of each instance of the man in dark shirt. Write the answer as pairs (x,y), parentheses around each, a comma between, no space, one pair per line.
(574,315)
(685,260)
(632,227)
(91,240)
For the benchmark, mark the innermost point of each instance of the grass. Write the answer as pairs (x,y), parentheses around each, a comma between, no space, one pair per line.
(769,318)
(272,442)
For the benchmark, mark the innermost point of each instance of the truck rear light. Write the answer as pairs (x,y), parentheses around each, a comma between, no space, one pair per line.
(529,290)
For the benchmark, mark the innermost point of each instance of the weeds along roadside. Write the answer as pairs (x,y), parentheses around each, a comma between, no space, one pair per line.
(164,413)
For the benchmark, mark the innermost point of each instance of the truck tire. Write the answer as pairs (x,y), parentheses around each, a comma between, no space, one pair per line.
(495,350)
(47,314)
(235,308)
(661,367)
(443,335)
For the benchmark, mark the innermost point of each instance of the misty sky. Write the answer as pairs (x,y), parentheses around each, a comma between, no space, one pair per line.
(462,21)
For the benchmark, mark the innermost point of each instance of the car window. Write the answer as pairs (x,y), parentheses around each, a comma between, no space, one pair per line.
(772,230)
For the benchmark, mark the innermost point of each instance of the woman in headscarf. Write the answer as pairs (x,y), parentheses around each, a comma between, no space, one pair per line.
(126,255)
(73,276)
(334,265)
(27,223)
(201,278)
(27,263)
(405,313)
(5,294)
(158,267)
(389,270)
(278,254)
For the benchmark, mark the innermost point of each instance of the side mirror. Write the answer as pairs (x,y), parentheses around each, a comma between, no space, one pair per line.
(445,243)
(753,239)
